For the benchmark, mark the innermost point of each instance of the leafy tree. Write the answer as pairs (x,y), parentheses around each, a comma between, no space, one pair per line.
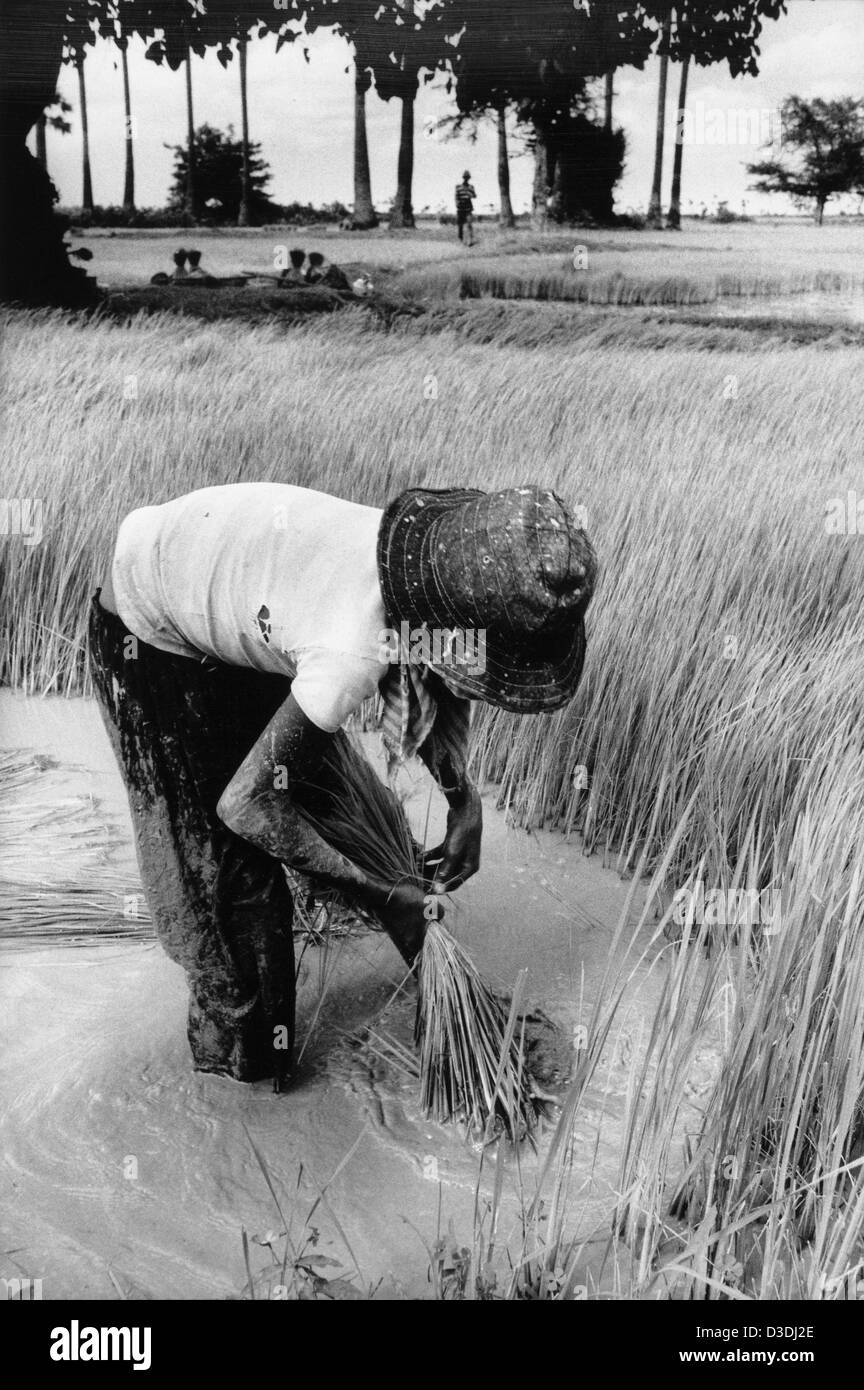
(244,212)
(358,22)
(87,178)
(398,43)
(178,29)
(822,154)
(34,266)
(704,32)
(219,162)
(540,56)
(655,211)
(80,35)
(538,59)
(674,216)
(408,51)
(129,171)
(505,205)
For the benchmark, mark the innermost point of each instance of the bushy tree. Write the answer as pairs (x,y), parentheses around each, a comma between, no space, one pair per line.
(822,152)
(219,176)
(537,60)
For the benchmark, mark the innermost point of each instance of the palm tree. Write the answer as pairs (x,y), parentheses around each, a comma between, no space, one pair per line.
(364,208)
(243,211)
(540,190)
(87,188)
(655,215)
(41,146)
(505,216)
(402,212)
(191,200)
(129,171)
(674,216)
(608,94)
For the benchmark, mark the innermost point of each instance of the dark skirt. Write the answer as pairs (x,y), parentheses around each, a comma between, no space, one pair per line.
(180,729)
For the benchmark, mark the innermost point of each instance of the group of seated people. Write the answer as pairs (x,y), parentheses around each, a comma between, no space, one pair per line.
(194,273)
(313,269)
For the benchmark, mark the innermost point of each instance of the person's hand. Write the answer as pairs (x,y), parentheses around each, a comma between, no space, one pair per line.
(458,857)
(404,911)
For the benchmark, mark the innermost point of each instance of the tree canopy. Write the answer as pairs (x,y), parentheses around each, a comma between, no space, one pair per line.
(523,50)
(713,31)
(822,152)
(219,175)
(506,51)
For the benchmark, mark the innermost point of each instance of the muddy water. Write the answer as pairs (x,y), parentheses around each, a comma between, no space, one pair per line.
(126,1174)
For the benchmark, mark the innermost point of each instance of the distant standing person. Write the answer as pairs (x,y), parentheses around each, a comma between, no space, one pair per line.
(465,196)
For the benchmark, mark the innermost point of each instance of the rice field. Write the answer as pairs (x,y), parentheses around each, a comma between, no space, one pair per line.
(770,250)
(717,732)
(554,277)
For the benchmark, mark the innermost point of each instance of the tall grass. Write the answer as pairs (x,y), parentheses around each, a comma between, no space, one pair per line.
(741,1168)
(725,642)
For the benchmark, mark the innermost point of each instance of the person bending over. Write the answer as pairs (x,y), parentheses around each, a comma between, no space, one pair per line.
(239,628)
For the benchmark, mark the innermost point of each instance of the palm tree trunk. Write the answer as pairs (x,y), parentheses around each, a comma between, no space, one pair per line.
(555,204)
(191,201)
(505,216)
(129,172)
(540,191)
(41,144)
(607,103)
(402,214)
(244,210)
(87,188)
(674,218)
(655,215)
(364,208)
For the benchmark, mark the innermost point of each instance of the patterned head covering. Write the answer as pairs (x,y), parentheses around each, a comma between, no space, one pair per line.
(512,565)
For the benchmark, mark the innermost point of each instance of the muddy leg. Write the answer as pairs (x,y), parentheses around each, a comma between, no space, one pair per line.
(222,909)
(254,910)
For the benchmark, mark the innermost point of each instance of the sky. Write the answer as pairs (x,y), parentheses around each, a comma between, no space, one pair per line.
(302,114)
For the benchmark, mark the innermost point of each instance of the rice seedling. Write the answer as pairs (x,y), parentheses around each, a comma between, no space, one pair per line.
(472,1063)
(68,913)
(741,1171)
(57,880)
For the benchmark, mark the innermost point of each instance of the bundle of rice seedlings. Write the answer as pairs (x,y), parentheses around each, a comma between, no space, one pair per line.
(58,885)
(472,1060)
(68,913)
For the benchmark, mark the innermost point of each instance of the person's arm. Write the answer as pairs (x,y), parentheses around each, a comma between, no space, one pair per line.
(258,805)
(458,856)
